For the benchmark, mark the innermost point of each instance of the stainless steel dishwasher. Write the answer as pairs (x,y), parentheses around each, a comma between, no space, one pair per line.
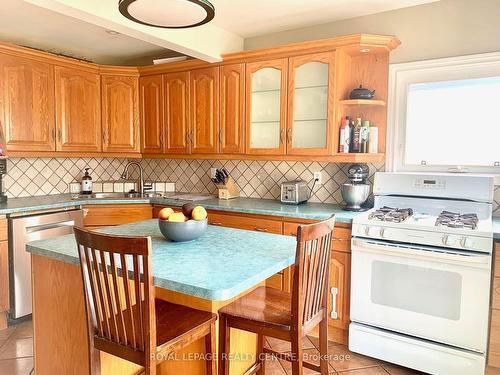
(24,229)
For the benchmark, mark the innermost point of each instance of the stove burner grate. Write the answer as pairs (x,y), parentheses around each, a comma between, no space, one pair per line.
(395,215)
(457,220)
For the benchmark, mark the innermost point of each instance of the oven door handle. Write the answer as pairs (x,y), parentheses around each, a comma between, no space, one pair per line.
(471,259)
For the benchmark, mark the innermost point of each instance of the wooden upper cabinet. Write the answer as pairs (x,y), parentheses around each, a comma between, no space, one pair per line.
(27,104)
(266,107)
(204,110)
(151,109)
(310,104)
(120,114)
(232,109)
(176,107)
(78,110)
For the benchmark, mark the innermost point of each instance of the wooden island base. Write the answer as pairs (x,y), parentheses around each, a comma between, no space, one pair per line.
(60,332)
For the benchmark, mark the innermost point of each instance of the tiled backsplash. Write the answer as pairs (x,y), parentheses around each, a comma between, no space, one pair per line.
(259,179)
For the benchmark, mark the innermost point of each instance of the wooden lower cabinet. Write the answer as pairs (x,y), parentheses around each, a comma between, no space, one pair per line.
(339,297)
(111,214)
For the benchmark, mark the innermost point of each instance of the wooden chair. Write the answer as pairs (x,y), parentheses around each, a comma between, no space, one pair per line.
(286,316)
(123,316)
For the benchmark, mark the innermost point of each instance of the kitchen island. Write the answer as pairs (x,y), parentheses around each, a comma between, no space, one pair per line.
(206,274)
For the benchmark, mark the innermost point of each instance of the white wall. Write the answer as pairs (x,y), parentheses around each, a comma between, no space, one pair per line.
(441,29)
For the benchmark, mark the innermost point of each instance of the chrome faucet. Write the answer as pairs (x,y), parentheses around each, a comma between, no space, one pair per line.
(142,186)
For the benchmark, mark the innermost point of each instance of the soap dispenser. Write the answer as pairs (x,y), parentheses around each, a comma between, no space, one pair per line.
(86,182)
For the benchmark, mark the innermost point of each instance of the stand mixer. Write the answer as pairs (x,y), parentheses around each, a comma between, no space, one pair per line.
(356,191)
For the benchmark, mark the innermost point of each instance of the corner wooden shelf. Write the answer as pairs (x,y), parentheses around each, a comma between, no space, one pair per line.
(359,158)
(354,102)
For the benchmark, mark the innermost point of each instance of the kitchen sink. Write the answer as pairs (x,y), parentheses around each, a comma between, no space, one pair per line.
(118,195)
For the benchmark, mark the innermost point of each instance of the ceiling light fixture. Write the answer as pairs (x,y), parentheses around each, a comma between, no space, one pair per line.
(168,14)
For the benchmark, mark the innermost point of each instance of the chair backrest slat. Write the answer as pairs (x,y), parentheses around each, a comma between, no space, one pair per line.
(120,316)
(310,283)
(130,326)
(122,333)
(101,295)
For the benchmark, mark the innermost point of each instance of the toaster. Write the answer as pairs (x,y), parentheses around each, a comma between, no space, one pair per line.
(294,192)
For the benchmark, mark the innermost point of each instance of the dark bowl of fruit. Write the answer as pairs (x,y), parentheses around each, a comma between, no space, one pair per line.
(187,225)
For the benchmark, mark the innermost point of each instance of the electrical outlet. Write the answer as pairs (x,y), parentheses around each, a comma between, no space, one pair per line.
(318,177)
(212,172)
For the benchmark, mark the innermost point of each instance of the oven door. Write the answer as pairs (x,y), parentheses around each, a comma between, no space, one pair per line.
(433,293)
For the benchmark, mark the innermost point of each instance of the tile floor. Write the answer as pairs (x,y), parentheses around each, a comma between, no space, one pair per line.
(16,349)
(16,356)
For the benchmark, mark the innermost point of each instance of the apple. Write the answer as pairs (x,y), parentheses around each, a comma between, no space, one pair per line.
(177,217)
(199,213)
(165,213)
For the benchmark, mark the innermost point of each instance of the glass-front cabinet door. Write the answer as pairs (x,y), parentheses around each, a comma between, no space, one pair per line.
(266,106)
(310,104)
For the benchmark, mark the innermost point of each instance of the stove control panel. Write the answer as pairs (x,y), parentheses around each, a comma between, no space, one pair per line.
(430,183)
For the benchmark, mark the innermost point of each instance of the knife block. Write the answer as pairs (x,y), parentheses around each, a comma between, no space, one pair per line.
(228,190)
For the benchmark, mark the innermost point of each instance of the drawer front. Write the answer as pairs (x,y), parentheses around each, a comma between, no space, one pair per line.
(494,347)
(244,222)
(341,240)
(4,276)
(103,215)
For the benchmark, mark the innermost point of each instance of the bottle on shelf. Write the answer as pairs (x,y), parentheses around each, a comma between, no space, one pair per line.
(363,137)
(356,136)
(373,140)
(345,135)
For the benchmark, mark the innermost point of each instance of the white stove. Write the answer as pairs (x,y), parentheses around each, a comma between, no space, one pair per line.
(421,272)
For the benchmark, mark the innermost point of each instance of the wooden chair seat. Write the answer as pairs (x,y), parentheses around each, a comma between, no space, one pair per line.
(174,321)
(265,306)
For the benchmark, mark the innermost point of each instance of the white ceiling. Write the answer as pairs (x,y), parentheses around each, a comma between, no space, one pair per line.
(257,17)
(78,27)
(28,25)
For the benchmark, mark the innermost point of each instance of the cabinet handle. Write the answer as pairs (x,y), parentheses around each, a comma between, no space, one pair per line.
(104,137)
(161,138)
(216,223)
(261,229)
(59,135)
(334,291)
(191,137)
(53,134)
(289,135)
(187,138)
(337,239)
(282,135)
(220,136)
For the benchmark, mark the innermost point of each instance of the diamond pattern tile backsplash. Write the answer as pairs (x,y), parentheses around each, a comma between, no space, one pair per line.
(256,179)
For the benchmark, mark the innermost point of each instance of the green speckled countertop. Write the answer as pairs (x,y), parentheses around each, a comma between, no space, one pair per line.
(315,211)
(219,265)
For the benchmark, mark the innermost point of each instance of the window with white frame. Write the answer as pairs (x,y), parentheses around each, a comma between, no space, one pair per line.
(444,115)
